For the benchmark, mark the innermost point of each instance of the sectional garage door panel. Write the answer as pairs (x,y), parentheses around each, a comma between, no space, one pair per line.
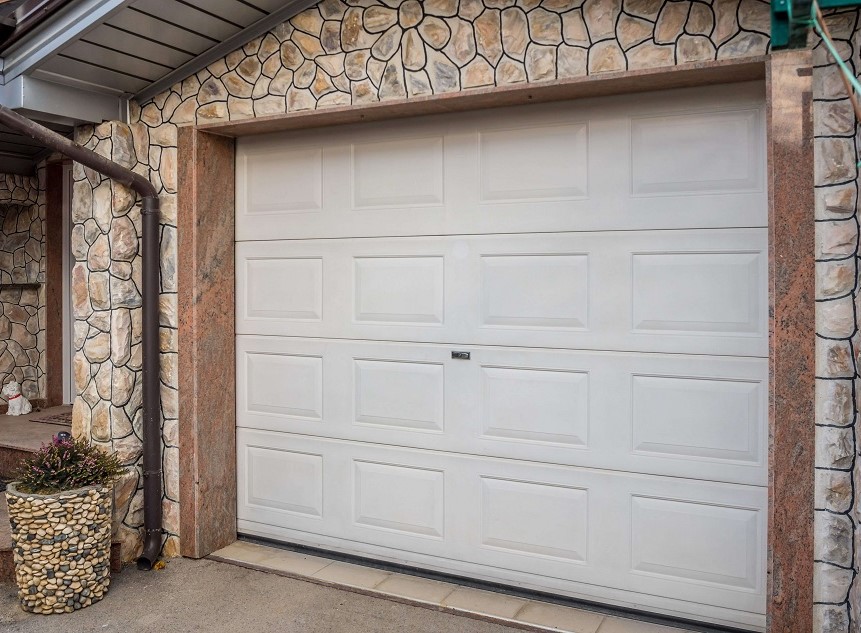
(697,541)
(684,416)
(687,159)
(699,292)
(528,345)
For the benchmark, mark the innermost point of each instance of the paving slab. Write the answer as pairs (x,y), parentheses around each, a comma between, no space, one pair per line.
(206,596)
(494,607)
(20,432)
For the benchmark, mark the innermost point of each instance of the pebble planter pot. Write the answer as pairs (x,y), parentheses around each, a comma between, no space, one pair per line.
(61,547)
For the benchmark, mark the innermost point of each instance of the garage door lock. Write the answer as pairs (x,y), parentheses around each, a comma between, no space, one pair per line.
(460,355)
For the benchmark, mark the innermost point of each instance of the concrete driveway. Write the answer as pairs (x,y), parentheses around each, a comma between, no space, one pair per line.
(212,597)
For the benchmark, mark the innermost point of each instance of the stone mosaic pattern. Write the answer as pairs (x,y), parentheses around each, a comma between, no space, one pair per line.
(836,591)
(22,260)
(62,548)
(360,51)
(106,305)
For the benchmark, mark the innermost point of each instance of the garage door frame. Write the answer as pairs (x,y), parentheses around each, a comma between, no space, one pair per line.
(206,299)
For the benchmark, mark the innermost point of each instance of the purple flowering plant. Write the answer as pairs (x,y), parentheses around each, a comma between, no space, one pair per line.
(67,464)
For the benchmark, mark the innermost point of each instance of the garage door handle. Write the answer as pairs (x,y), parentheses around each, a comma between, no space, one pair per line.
(460,355)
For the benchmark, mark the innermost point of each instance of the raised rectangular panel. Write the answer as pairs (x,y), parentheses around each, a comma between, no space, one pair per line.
(285,480)
(535,405)
(400,394)
(535,518)
(714,152)
(698,292)
(535,163)
(403,499)
(698,417)
(399,289)
(401,173)
(696,541)
(285,385)
(283,181)
(535,291)
(284,288)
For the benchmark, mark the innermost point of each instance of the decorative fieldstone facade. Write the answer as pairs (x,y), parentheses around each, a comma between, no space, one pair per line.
(62,548)
(106,305)
(361,51)
(836,591)
(22,261)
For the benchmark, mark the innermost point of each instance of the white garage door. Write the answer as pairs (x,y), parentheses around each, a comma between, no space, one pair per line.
(524,345)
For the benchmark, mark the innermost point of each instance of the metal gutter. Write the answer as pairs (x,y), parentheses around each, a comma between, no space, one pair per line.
(232,43)
(150,344)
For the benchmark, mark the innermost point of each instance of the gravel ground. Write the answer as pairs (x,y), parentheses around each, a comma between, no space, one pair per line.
(210,597)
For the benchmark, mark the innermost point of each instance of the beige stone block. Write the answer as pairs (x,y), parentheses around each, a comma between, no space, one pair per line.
(648,9)
(833,490)
(606,57)
(832,538)
(834,402)
(477,73)
(649,55)
(413,50)
(834,279)
(830,583)
(415,588)
(558,617)
(353,35)
(600,16)
(694,48)
(417,83)
(488,35)
(744,44)
(392,84)
(836,239)
(388,43)
(352,575)
(377,19)
(308,45)
(755,15)
(444,75)
(470,9)
(442,8)
(515,33)
(410,13)
(309,21)
(498,605)
(545,27)
(356,65)
(835,318)
(632,31)
(435,32)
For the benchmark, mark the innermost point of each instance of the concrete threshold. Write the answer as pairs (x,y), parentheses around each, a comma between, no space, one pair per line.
(500,608)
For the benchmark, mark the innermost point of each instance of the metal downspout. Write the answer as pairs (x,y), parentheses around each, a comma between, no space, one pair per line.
(150,344)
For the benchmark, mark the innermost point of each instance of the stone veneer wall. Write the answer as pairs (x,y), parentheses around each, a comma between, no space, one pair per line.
(22,260)
(360,51)
(836,525)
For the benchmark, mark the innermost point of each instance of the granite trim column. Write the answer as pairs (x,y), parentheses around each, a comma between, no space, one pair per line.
(792,340)
(207,353)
